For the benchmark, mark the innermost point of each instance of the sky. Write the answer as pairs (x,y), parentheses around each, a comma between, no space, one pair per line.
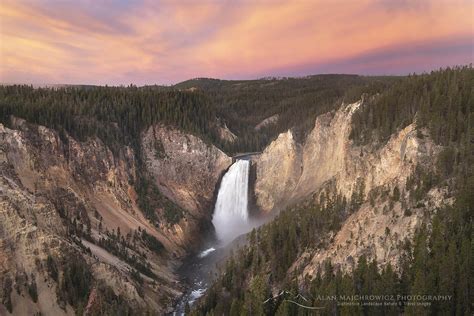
(164,42)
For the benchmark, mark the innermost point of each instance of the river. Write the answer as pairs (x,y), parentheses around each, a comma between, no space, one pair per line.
(230,220)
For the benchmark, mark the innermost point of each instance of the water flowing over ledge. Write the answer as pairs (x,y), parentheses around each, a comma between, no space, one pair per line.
(231,212)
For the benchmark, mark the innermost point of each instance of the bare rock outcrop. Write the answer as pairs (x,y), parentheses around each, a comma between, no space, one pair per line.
(288,173)
(185,168)
(225,133)
(279,168)
(328,154)
(266,122)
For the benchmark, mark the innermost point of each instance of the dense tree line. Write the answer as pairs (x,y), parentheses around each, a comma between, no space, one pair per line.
(117,115)
(442,101)
(297,102)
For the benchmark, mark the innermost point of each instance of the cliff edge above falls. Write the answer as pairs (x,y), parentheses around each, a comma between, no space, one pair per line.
(278,169)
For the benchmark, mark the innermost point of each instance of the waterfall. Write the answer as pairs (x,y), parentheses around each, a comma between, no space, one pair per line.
(230,217)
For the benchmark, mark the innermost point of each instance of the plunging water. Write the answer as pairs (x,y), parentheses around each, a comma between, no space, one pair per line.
(230,220)
(231,214)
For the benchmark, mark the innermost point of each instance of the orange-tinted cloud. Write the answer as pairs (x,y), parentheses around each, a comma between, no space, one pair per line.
(145,42)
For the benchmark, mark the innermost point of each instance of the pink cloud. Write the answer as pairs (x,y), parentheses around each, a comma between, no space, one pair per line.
(146,42)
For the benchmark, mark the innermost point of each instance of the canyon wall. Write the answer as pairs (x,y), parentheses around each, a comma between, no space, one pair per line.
(59,197)
(185,168)
(289,173)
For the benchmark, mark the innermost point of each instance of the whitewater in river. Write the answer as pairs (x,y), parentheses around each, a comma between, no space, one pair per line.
(230,220)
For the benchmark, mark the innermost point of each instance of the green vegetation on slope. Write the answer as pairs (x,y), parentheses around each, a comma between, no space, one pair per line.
(441,101)
(75,284)
(297,102)
(437,262)
(117,115)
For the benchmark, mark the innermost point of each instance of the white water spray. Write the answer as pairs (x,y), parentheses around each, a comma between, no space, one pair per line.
(231,213)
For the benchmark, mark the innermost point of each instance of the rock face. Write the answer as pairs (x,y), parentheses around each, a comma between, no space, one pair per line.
(288,173)
(372,231)
(279,168)
(185,168)
(225,133)
(53,190)
(268,121)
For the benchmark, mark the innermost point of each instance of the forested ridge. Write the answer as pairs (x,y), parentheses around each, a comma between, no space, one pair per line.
(117,115)
(439,259)
(441,101)
(296,101)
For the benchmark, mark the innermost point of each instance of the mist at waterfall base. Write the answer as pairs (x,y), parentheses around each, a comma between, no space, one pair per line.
(230,217)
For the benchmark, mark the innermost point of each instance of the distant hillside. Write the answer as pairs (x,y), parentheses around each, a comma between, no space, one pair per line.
(243,104)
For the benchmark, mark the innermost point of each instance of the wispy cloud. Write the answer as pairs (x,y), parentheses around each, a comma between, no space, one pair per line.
(142,42)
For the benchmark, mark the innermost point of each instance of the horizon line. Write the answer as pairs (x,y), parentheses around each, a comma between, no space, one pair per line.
(60,85)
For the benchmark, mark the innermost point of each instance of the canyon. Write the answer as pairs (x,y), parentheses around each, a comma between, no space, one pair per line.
(44,176)
(111,208)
